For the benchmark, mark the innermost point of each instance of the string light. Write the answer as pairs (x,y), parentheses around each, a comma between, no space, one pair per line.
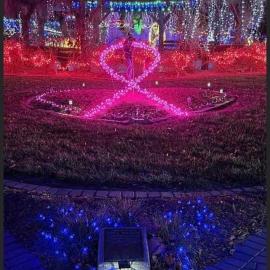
(211,20)
(89,5)
(131,84)
(196,19)
(219,27)
(144,6)
(11,26)
(52,29)
(72,242)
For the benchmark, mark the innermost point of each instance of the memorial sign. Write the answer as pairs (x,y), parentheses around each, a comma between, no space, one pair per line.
(123,248)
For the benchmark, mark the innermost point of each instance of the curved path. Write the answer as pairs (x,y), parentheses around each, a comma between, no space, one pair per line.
(131,194)
(249,255)
(16,257)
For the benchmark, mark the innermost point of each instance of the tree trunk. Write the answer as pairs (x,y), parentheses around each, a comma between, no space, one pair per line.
(42,15)
(10,9)
(82,28)
(238,22)
(161,36)
(26,14)
(96,30)
(25,27)
(161,22)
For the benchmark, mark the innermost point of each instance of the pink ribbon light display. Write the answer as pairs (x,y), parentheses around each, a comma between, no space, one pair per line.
(131,85)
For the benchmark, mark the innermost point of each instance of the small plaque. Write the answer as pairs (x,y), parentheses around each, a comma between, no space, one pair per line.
(123,246)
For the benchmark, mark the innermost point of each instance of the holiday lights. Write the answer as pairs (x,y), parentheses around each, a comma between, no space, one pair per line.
(131,84)
(144,6)
(67,234)
(198,20)
(50,10)
(257,8)
(12,26)
(89,5)
(12,50)
(18,56)
(248,58)
(211,20)
(62,42)
(52,29)
(182,61)
(43,99)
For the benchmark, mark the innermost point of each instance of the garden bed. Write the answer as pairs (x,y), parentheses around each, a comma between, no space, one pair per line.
(192,232)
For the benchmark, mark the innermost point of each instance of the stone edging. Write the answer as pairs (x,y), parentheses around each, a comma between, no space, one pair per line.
(250,254)
(131,194)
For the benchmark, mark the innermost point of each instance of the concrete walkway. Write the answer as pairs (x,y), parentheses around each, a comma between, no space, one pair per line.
(16,257)
(249,255)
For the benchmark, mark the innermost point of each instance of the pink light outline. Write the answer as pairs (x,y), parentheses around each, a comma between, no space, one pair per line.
(133,84)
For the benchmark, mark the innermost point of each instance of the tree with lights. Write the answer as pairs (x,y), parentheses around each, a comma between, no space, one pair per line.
(205,21)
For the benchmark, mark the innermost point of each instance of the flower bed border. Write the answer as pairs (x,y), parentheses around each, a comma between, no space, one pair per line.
(75,193)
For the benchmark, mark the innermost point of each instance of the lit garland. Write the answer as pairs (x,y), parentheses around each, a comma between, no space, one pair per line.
(89,5)
(243,21)
(17,56)
(226,23)
(187,17)
(131,84)
(50,10)
(257,8)
(70,43)
(248,58)
(182,61)
(196,19)
(42,98)
(219,26)
(211,22)
(39,59)
(144,6)
(52,29)
(12,26)
(12,50)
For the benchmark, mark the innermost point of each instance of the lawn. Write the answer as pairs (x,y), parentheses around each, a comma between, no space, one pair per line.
(211,150)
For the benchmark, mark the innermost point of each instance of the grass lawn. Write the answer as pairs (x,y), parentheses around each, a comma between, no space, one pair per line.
(222,148)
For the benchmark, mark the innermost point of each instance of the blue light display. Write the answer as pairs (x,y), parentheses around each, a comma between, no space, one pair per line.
(88,5)
(68,235)
(145,6)
(52,29)
(11,26)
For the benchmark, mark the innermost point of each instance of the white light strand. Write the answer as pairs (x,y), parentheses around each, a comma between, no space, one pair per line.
(196,20)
